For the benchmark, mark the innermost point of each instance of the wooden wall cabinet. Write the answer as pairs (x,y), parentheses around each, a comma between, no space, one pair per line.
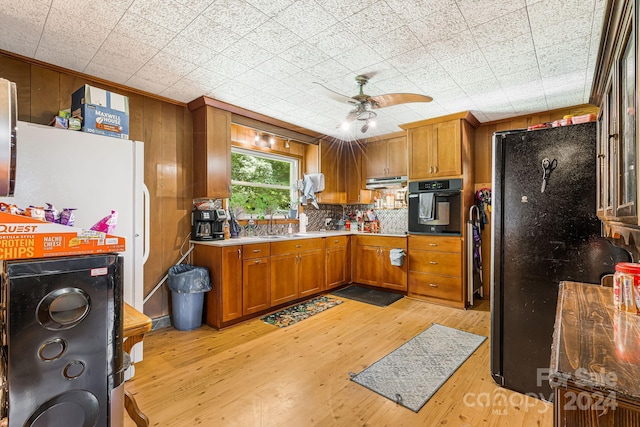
(211,152)
(373,263)
(338,266)
(435,150)
(387,157)
(353,173)
(615,91)
(256,278)
(327,158)
(436,268)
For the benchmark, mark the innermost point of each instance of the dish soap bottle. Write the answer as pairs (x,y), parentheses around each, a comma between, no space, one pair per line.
(251,227)
(290,229)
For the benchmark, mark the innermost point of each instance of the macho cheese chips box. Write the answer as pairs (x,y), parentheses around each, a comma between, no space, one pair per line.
(22,237)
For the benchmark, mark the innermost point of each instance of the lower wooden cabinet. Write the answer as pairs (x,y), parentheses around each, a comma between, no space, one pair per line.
(338,265)
(256,285)
(297,269)
(373,263)
(436,269)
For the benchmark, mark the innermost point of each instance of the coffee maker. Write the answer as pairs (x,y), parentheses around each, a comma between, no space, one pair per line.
(208,224)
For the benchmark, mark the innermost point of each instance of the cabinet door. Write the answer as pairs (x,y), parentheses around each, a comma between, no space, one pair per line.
(367,261)
(332,166)
(353,172)
(311,272)
(336,267)
(392,277)
(284,278)
(211,153)
(419,151)
(445,151)
(375,159)
(256,285)
(397,156)
(231,286)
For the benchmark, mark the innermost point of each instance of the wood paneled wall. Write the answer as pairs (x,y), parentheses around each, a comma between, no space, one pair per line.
(484,162)
(167,132)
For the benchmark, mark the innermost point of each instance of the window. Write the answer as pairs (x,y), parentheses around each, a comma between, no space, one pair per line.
(262,182)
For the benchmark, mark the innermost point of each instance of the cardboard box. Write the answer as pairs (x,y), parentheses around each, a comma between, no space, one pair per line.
(102,112)
(22,237)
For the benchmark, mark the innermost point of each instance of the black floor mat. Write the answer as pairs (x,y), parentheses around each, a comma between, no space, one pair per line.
(369,296)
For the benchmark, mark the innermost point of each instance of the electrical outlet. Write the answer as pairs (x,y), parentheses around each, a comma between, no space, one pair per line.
(327,222)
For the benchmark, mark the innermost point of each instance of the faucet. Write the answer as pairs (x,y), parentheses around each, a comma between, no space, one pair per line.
(274,213)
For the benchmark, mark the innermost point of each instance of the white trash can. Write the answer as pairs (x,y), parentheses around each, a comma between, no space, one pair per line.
(397,257)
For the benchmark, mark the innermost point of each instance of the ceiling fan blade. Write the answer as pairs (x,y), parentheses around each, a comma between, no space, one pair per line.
(335,95)
(389,99)
(353,114)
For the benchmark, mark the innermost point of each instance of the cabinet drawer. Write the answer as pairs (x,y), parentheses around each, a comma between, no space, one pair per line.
(435,243)
(447,263)
(384,241)
(289,246)
(256,250)
(435,286)
(335,241)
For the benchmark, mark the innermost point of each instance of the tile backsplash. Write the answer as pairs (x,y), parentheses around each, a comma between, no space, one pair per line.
(392,221)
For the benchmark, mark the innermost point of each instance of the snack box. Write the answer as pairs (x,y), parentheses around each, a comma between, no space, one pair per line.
(561,122)
(585,118)
(22,237)
(102,112)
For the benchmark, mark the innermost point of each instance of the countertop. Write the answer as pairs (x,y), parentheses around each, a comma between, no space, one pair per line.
(284,237)
(595,346)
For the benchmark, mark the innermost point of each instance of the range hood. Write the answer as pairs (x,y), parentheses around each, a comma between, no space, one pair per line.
(386,182)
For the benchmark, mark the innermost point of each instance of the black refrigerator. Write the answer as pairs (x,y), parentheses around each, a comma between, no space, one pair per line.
(545,230)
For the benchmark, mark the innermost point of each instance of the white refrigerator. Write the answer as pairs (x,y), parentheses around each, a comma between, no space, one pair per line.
(94,174)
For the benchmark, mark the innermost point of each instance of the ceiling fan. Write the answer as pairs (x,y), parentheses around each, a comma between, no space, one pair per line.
(364,104)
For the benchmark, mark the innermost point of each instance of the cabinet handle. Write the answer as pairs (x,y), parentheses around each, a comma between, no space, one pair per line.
(298,246)
(433,244)
(258,261)
(430,169)
(435,169)
(255,251)
(601,156)
(239,253)
(433,262)
(336,241)
(433,285)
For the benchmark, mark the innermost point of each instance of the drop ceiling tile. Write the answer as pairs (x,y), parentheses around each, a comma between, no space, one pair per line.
(382,70)
(151,86)
(413,60)
(185,91)
(205,78)
(226,66)
(55,54)
(469,61)
(501,29)
(304,55)
(329,70)
(427,110)
(123,53)
(532,105)
(281,90)
(278,68)
(107,72)
(429,84)
(519,45)
(548,12)
(237,16)
(201,30)
(358,57)
(305,18)
(197,5)
(442,97)
(513,64)
(438,26)
(519,77)
(232,90)
(374,21)
(566,99)
(578,26)
(283,106)
(271,7)
(478,12)
(411,10)
(524,91)
(558,84)
(171,14)
(87,36)
(273,37)
(255,78)
(457,44)
(460,104)
(247,53)
(183,48)
(86,10)
(399,84)
(165,69)
(481,87)
(20,45)
(341,9)
(334,40)
(140,28)
(492,101)
(395,42)
(499,115)
(553,61)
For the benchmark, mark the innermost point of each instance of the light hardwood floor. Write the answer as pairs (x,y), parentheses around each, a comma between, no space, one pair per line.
(254,374)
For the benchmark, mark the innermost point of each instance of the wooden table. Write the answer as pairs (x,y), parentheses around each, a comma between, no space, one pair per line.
(595,359)
(135,325)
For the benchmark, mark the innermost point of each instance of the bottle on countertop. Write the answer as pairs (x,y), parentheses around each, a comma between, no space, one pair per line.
(225,228)
(290,229)
(251,227)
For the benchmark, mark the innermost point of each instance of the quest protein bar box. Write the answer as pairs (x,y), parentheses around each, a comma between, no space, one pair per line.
(102,112)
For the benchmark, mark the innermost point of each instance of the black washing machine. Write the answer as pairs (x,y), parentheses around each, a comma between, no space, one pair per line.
(64,359)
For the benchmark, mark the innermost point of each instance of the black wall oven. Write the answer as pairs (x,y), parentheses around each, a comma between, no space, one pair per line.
(435,207)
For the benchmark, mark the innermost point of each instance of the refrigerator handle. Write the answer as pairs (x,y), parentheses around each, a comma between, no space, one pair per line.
(147,234)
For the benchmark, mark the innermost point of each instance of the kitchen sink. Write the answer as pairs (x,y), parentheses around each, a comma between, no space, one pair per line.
(273,236)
